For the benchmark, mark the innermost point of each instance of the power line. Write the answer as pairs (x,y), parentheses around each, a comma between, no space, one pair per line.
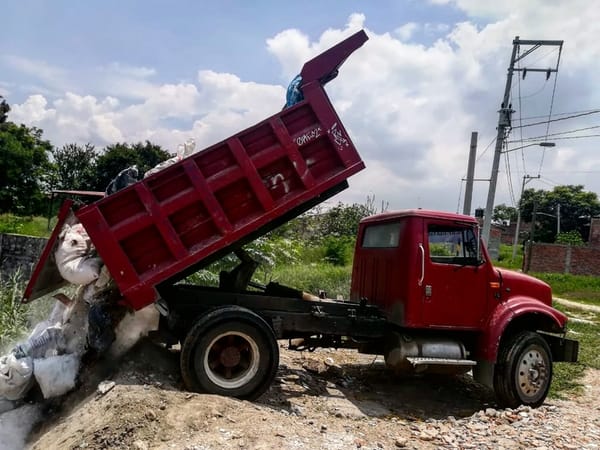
(485,149)
(539,91)
(568,137)
(521,123)
(553,134)
(595,111)
(574,171)
(550,112)
(509,177)
(561,114)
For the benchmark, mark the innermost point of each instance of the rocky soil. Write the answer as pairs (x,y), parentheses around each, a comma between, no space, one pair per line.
(327,399)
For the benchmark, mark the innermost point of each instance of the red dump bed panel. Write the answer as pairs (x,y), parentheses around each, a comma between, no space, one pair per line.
(168,223)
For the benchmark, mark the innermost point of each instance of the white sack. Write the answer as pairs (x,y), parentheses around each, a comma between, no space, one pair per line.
(15,376)
(73,256)
(183,151)
(56,375)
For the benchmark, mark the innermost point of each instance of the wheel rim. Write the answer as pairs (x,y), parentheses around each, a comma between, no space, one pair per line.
(532,375)
(231,360)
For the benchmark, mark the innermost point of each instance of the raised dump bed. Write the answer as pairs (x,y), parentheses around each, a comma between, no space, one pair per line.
(168,225)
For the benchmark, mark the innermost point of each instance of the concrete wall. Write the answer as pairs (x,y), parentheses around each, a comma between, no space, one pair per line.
(19,253)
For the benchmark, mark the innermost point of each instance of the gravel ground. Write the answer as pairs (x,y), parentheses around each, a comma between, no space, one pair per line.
(327,399)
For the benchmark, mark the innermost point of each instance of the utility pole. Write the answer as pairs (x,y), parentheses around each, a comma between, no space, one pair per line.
(504,118)
(526,179)
(470,174)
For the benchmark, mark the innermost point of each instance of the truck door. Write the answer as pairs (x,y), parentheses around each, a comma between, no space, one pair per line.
(454,280)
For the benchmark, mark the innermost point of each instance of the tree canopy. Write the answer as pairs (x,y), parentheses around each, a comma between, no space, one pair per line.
(503,212)
(74,166)
(30,167)
(4,110)
(120,156)
(25,169)
(572,203)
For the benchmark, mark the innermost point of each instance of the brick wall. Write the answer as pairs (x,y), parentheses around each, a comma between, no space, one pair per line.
(557,258)
(19,253)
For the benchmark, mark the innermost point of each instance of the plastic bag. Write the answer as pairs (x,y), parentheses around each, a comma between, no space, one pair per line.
(15,376)
(123,179)
(294,94)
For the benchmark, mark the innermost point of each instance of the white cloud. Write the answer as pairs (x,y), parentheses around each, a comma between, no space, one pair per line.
(409,107)
(406,31)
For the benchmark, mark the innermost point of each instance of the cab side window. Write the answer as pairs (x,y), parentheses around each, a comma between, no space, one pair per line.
(385,235)
(452,244)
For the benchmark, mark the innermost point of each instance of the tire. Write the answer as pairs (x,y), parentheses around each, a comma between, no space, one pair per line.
(230,351)
(523,372)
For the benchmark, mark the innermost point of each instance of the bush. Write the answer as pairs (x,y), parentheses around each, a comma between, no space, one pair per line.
(338,250)
(13,316)
(572,237)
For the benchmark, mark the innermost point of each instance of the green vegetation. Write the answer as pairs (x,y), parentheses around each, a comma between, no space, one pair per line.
(505,257)
(13,317)
(572,202)
(585,327)
(28,226)
(333,279)
(572,237)
(580,288)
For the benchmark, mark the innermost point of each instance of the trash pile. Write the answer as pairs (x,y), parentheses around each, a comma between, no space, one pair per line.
(87,322)
(51,355)
(130,175)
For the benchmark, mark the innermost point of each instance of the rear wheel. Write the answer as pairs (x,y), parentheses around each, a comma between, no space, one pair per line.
(230,351)
(523,373)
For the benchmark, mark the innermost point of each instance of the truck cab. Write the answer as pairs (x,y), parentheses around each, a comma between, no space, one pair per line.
(450,309)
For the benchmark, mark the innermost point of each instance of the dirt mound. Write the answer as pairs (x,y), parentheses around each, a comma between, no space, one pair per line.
(326,399)
(309,405)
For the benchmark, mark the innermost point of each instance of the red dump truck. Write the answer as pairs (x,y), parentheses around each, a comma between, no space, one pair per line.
(424,292)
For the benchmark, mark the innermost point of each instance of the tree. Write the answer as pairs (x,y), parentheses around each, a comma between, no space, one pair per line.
(4,110)
(576,208)
(119,156)
(24,169)
(74,166)
(342,219)
(503,212)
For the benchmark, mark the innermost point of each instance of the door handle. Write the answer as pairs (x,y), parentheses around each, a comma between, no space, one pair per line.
(422,250)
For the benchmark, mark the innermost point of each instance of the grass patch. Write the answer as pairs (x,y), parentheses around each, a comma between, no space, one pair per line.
(580,288)
(584,327)
(28,226)
(335,280)
(506,260)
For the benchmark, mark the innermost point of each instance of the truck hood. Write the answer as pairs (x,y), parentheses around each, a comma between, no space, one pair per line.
(518,284)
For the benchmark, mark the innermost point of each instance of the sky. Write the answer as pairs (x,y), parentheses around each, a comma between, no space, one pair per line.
(432,72)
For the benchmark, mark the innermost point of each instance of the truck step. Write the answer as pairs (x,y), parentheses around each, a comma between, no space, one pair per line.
(421,361)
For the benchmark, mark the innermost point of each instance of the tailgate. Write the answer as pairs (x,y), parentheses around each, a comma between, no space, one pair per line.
(45,277)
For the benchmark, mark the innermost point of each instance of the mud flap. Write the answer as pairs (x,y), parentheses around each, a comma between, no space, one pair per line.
(563,349)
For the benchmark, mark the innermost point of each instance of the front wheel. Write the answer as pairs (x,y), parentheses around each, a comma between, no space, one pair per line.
(230,351)
(523,372)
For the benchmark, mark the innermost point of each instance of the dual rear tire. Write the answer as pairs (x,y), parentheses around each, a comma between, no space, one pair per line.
(230,351)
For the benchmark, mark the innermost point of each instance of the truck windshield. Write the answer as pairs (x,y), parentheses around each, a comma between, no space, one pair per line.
(452,244)
(382,235)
